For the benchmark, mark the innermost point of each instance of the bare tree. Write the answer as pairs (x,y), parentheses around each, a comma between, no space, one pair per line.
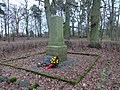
(26,13)
(8,22)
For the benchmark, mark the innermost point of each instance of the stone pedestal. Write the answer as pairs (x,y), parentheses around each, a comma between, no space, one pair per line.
(56,45)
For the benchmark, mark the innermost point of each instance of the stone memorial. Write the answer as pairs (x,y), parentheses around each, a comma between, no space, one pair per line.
(56,45)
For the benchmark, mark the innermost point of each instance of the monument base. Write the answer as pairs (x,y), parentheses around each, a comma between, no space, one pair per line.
(60,51)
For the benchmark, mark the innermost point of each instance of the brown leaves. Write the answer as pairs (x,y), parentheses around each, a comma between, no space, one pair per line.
(69,70)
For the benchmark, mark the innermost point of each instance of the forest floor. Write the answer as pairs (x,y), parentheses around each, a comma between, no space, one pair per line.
(105,74)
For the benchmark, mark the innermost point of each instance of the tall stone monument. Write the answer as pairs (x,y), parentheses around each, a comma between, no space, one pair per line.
(56,45)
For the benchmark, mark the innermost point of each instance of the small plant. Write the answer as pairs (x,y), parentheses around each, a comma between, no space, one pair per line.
(33,86)
(13,79)
(103,77)
(99,86)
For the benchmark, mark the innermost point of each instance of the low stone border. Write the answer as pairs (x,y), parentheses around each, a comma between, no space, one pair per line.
(22,57)
(59,78)
(21,83)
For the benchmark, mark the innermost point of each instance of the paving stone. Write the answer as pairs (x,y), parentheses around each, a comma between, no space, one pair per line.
(40,88)
(3,78)
(67,63)
(17,82)
(47,59)
(24,83)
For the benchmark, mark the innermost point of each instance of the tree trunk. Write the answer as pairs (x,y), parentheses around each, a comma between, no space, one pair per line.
(67,22)
(94,33)
(80,22)
(47,12)
(80,27)
(103,22)
(73,33)
(118,30)
(8,23)
(5,28)
(88,19)
(101,29)
(36,29)
(13,35)
(40,28)
(26,19)
(111,21)
(79,33)
(17,28)
(88,25)
(27,33)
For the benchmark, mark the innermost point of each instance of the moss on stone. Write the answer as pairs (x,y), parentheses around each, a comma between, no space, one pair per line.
(56,77)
